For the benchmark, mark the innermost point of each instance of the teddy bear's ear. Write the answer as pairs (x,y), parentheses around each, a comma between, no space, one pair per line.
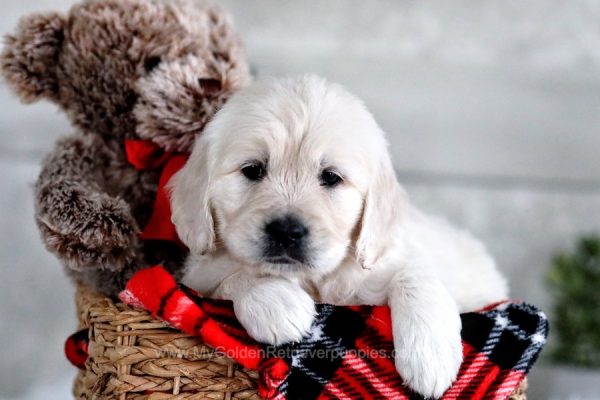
(30,55)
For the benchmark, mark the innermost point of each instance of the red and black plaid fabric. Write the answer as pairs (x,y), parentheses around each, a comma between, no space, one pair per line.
(349,351)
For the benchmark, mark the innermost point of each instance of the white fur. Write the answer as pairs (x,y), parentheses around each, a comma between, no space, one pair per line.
(368,244)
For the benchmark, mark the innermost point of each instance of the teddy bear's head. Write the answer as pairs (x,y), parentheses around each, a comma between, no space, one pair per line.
(149,69)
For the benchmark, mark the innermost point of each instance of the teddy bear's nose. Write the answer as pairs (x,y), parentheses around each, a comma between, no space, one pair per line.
(210,87)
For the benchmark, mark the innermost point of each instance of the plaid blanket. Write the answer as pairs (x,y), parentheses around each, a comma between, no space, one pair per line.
(349,352)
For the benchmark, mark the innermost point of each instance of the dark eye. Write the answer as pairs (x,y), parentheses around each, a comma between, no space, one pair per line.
(151,63)
(254,172)
(330,178)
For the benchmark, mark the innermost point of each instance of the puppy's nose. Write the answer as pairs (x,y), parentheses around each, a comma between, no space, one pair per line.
(286,231)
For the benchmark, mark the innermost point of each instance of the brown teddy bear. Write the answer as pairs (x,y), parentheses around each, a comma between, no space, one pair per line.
(121,70)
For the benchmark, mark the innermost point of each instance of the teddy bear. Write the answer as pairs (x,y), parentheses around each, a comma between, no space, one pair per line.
(140,71)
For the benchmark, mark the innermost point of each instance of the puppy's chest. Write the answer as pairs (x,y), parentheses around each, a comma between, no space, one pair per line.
(347,287)
(313,291)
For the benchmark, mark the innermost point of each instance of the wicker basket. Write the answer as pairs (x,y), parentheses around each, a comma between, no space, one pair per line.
(134,356)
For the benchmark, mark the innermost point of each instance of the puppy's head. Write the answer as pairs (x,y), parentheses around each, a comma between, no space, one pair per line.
(291,175)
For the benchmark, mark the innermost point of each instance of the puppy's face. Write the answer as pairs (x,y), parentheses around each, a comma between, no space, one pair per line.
(285,193)
(281,177)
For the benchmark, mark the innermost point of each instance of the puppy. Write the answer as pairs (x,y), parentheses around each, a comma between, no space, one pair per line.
(289,197)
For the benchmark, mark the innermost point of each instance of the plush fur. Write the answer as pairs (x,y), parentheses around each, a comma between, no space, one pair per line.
(365,242)
(120,69)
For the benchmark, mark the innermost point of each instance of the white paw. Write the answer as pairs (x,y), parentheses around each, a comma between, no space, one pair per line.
(428,353)
(275,311)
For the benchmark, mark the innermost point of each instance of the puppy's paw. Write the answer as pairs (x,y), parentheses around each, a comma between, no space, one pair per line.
(275,311)
(428,355)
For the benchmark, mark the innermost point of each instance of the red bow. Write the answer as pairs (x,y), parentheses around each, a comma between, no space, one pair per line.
(145,155)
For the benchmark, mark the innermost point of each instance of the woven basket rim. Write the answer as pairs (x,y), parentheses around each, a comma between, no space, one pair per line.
(132,354)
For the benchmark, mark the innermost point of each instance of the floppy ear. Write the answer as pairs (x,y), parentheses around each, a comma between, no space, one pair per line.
(190,203)
(382,213)
(29,57)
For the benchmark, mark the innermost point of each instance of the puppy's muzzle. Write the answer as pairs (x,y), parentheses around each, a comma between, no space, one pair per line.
(285,240)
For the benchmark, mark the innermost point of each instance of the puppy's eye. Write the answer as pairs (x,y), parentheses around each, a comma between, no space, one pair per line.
(254,172)
(151,63)
(329,178)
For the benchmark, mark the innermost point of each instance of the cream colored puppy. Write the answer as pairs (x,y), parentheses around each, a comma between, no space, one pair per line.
(289,197)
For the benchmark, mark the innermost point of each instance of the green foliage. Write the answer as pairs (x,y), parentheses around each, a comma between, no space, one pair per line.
(575,279)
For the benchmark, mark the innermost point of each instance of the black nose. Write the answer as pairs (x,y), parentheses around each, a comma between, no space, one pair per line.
(286,231)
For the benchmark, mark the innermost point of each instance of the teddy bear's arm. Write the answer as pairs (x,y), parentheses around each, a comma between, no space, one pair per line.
(80,222)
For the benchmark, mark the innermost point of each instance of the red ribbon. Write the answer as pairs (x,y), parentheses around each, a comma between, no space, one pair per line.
(145,155)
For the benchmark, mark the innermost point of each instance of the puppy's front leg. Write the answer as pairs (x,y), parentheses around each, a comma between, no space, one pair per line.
(426,329)
(273,310)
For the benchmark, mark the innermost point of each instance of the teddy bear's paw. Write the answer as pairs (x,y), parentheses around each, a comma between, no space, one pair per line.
(100,233)
(79,257)
(110,226)
(275,312)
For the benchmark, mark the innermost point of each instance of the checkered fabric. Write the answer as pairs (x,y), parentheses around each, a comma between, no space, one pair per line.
(349,351)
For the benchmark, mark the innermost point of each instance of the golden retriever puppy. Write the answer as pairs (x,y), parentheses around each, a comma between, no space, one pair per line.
(289,197)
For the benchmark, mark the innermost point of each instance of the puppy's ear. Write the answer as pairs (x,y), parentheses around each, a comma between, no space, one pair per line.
(190,202)
(382,213)
(30,56)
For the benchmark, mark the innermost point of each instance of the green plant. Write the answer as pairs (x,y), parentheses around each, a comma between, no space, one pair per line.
(575,279)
